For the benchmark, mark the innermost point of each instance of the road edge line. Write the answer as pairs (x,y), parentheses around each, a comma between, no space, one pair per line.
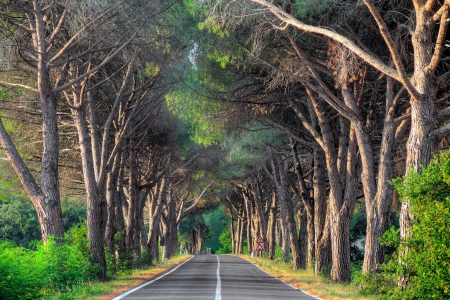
(151,281)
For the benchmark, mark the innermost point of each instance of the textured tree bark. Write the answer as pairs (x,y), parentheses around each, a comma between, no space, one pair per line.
(298,258)
(308,204)
(155,211)
(46,197)
(303,238)
(378,209)
(272,225)
(249,222)
(95,199)
(132,239)
(112,203)
(343,185)
(241,221)
(422,140)
(259,210)
(321,213)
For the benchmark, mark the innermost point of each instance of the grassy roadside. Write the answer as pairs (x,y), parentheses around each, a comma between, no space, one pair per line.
(125,282)
(306,281)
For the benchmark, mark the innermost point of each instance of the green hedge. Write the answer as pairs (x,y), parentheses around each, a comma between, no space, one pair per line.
(427,264)
(30,274)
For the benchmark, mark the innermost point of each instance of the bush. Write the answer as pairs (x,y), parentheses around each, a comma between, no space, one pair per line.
(18,221)
(31,274)
(22,272)
(427,264)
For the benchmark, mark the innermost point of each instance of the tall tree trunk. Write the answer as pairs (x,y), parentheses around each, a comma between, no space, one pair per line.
(308,204)
(272,225)
(132,240)
(321,212)
(155,211)
(297,258)
(303,238)
(422,139)
(44,196)
(95,199)
(112,201)
(378,209)
(259,210)
(249,223)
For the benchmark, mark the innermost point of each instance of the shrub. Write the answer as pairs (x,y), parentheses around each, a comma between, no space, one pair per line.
(427,264)
(31,274)
(22,272)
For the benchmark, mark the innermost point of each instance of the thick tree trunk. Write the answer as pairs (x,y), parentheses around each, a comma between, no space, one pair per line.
(133,201)
(272,225)
(303,238)
(298,258)
(284,232)
(95,199)
(343,179)
(46,197)
(249,222)
(48,210)
(422,140)
(259,210)
(321,214)
(308,204)
(378,209)
(240,241)
(155,211)
(112,201)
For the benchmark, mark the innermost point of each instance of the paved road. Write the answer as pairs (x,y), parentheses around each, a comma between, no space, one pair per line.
(216,277)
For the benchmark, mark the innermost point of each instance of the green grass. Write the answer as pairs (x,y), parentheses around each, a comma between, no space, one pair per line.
(305,280)
(112,288)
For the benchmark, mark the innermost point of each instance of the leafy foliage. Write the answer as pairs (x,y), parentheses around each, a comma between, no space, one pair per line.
(217,222)
(198,111)
(249,148)
(18,221)
(225,241)
(31,274)
(427,263)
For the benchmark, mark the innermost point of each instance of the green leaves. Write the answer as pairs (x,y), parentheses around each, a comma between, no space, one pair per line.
(32,274)
(427,263)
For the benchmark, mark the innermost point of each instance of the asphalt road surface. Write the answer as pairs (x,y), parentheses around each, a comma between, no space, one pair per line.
(215,277)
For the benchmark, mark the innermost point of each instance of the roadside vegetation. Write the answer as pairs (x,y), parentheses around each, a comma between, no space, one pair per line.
(64,271)
(319,286)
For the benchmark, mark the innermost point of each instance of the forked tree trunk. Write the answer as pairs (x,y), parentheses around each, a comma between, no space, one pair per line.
(343,186)
(321,214)
(155,211)
(297,257)
(308,204)
(422,138)
(112,202)
(378,209)
(95,199)
(259,210)
(45,196)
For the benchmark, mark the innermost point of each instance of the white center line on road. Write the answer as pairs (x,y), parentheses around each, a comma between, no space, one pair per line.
(218,287)
(147,283)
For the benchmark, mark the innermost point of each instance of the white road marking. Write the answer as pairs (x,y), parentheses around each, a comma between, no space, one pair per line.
(218,287)
(147,283)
